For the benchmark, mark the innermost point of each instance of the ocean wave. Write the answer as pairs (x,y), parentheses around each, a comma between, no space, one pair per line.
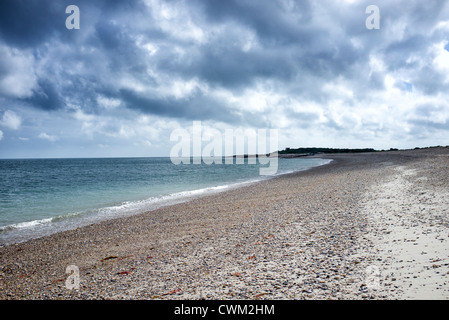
(26,224)
(139,206)
(127,208)
(124,208)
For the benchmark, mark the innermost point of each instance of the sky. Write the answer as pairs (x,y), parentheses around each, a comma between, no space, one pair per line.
(135,71)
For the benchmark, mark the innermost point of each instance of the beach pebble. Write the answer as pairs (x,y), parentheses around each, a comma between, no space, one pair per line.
(307,235)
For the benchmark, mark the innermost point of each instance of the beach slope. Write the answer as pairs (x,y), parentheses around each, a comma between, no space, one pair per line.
(366,226)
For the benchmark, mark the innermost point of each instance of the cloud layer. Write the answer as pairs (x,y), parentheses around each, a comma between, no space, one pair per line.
(136,70)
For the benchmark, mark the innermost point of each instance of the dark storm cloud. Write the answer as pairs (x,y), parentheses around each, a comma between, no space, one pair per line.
(298,45)
(276,23)
(47,97)
(196,107)
(118,47)
(289,45)
(289,49)
(232,68)
(28,23)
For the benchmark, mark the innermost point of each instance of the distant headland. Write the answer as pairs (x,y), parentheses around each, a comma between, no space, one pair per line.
(297,152)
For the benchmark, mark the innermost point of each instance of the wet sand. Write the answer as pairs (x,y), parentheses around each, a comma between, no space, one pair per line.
(366,226)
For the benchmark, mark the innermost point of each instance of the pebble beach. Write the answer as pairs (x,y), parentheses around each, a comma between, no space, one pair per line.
(365,226)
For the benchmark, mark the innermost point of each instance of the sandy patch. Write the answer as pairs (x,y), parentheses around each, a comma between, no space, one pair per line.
(409,216)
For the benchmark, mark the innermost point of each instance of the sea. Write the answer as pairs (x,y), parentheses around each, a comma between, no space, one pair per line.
(39,197)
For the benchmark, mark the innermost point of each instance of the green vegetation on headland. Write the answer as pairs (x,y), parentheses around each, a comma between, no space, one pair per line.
(313,150)
(303,152)
(323,150)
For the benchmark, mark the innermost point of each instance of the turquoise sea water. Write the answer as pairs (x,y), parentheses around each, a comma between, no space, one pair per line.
(42,196)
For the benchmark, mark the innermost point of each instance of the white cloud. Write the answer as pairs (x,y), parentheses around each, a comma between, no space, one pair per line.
(48,137)
(107,103)
(144,143)
(11,120)
(19,78)
(176,20)
(441,61)
(312,70)
(1,134)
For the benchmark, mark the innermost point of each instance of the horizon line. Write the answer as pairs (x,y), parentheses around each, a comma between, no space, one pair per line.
(235,155)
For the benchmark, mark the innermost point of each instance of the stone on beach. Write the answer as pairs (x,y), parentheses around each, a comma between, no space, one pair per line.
(354,229)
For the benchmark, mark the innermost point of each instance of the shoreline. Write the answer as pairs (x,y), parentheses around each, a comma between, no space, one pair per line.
(48,226)
(305,235)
